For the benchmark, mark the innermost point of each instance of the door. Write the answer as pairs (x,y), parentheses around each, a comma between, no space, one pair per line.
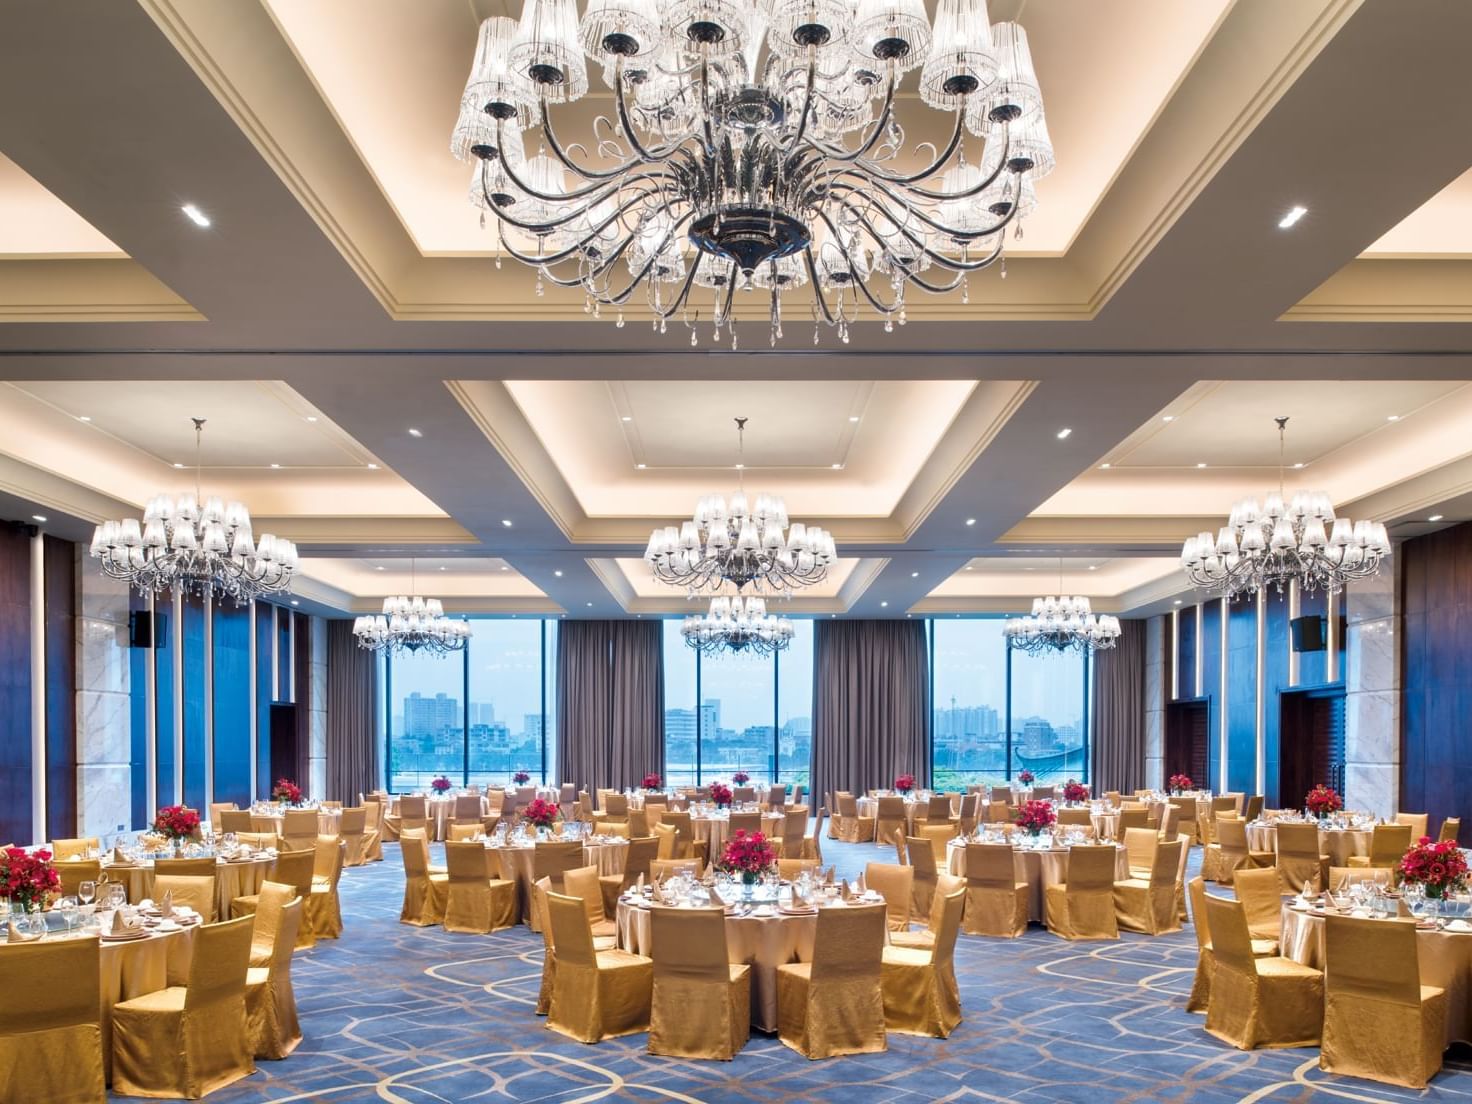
(1310,744)
(1186,745)
(284,744)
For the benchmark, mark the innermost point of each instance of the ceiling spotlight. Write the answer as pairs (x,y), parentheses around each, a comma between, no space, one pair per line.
(1433,517)
(1168,418)
(853,417)
(1093,567)
(1392,417)
(640,466)
(1299,464)
(177,464)
(837,466)
(1103,467)
(42,517)
(415,432)
(506,522)
(275,465)
(590,603)
(443,567)
(372,467)
(505,568)
(1291,218)
(84,417)
(558,574)
(380,567)
(914,574)
(1063,433)
(884,603)
(1178,601)
(294,602)
(1201,465)
(740,467)
(627,418)
(970,521)
(195,215)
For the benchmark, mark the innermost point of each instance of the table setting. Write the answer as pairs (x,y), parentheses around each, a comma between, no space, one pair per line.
(239,868)
(1039,859)
(516,852)
(1341,834)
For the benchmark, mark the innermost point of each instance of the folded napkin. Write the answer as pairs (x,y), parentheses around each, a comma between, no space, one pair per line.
(15,935)
(119,858)
(844,890)
(639,885)
(120,925)
(166,906)
(859,886)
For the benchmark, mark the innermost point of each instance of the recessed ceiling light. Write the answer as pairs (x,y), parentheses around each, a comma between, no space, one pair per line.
(415,432)
(443,567)
(627,418)
(740,467)
(42,517)
(853,417)
(1063,433)
(884,603)
(837,466)
(1392,417)
(970,567)
(506,522)
(1299,464)
(311,417)
(177,464)
(558,574)
(1433,517)
(275,465)
(1178,601)
(1201,465)
(1292,217)
(380,567)
(914,574)
(1168,418)
(970,521)
(1093,567)
(505,568)
(1103,467)
(195,215)
(590,603)
(372,467)
(639,466)
(84,417)
(294,602)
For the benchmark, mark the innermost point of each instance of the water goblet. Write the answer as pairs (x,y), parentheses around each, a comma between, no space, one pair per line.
(87,892)
(69,910)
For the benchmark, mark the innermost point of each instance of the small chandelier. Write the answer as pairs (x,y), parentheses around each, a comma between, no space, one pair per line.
(1282,542)
(738,542)
(737,625)
(194,545)
(409,624)
(1060,624)
(755,145)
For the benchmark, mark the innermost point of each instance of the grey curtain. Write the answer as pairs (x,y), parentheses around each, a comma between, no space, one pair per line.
(352,715)
(871,704)
(1117,718)
(610,702)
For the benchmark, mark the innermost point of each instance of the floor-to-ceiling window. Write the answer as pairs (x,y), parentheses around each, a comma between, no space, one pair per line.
(478,715)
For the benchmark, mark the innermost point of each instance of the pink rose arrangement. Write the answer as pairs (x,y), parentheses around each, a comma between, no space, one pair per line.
(1180,783)
(651,781)
(905,783)
(1322,800)
(741,778)
(176,822)
(1036,816)
(542,813)
(1075,791)
(26,877)
(720,794)
(440,785)
(748,854)
(1026,777)
(1440,867)
(287,792)
(521,778)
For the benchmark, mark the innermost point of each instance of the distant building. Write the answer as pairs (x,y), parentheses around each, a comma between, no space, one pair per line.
(431,716)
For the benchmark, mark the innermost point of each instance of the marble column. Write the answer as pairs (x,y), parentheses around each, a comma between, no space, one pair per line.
(317,755)
(1155,635)
(104,773)
(1372,691)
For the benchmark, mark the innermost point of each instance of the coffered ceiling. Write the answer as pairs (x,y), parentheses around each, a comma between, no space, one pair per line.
(464,420)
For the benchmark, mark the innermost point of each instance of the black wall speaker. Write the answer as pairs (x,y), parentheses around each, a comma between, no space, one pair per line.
(1309,634)
(144,629)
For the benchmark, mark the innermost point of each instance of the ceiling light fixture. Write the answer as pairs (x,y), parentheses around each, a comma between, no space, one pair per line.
(411,623)
(640,466)
(1284,541)
(1103,467)
(627,418)
(737,625)
(1291,218)
(415,432)
(506,522)
(753,146)
(738,542)
(1392,417)
(558,574)
(1064,433)
(38,517)
(372,467)
(192,545)
(914,574)
(195,215)
(1201,465)
(970,521)
(1168,418)
(883,604)
(84,417)
(311,417)
(276,465)
(1060,624)
(1433,517)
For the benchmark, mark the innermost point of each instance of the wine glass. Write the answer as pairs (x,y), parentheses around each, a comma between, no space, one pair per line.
(68,908)
(87,892)
(117,895)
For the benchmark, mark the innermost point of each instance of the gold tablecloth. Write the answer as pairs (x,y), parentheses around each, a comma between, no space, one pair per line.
(1338,843)
(232,880)
(1444,958)
(610,856)
(716,829)
(1039,869)
(329,821)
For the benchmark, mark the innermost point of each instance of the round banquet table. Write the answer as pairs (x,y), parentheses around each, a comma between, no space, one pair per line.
(1444,957)
(232,880)
(1039,869)
(1106,824)
(609,854)
(329,822)
(1338,843)
(715,828)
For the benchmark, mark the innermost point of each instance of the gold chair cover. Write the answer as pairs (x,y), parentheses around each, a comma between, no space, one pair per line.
(63,850)
(299,827)
(266,922)
(1139,845)
(1388,842)
(425,894)
(233,820)
(197,893)
(701,1005)
(945,885)
(679,820)
(270,1002)
(835,1003)
(1200,997)
(1380,1022)
(376,807)
(1451,828)
(889,817)
(923,872)
(1149,905)
(460,833)
(582,883)
(853,827)
(1299,860)
(667,840)
(596,995)
(812,847)
(1230,851)
(1083,906)
(1261,895)
(293,868)
(1342,877)
(642,851)
(939,836)
(51,1039)
(475,900)
(896,885)
(1417,823)
(189,1041)
(73,873)
(794,831)
(995,902)
(353,826)
(189,868)
(921,996)
(1258,1002)
(830,803)
(789,869)
(322,907)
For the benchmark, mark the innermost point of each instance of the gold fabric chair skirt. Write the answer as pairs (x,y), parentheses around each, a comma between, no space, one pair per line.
(691,1018)
(51,1042)
(1286,1009)
(483,908)
(591,1005)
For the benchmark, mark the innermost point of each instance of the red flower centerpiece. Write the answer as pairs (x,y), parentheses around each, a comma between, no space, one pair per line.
(1321,801)
(905,783)
(651,781)
(741,778)
(721,795)
(1034,817)
(176,822)
(1075,792)
(440,785)
(1179,783)
(1026,777)
(27,878)
(521,778)
(542,813)
(1440,867)
(748,854)
(287,792)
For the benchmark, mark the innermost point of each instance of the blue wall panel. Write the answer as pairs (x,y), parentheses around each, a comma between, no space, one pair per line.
(1242,696)
(232,703)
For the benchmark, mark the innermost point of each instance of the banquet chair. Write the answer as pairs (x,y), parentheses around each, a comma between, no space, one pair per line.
(970,813)
(1451,828)
(322,907)
(745,795)
(999,812)
(596,995)
(655,806)
(1417,822)
(667,841)
(1260,893)
(925,937)
(924,870)
(776,797)
(1133,818)
(1200,996)
(73,874)
(191,890)
(789,869)
(1253,809)
(921,996)
(1227,803)
(582,882)
(1139,846)
(538,904)
(1342,877)
(1078,817)
(462,833)
(1300,862)
(935,811)
(1183,827)
(830,802)
(1257,1002)
(51,1038)
(259,840)
(426,892)
(218,807)
(794,831)
(467,808)
(898,839)
(835,1004)
(1113,798)
(799,794)
(293,868)
(413,813)
(63,850)
(270,1001)
(553,858)
(299,828)
(584,812)
(1230,852)
(812,846)
(1388,842)
(234,820)
(525,795)
(853,828)
(642,851)
(896,885)
(701,1003)
(187,1041)
(638,824)
(192,868)
(1149,904)
(745,822)
(496,802)
(615,812)
(661,869)
(271,824)
(684,833)
(1083,906)
(939,835)
(1380,1022)
(1000,793)
(476,900)
(567,799)
(995,902)
(373,830)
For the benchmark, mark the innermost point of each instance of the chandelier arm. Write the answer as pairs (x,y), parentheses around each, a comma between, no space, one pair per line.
(948,231)
(893,307)
(944,197)
(710,138)
(818,296)
(807,104)
(684,288)
(959,267)
(623,296)
(644,154)
(544,226)
(563,197)
(557,151)
(880,124)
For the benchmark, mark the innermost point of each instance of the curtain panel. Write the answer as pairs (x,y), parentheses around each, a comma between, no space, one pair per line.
(352,715)
(610,702)
(871,704)
(1117,719)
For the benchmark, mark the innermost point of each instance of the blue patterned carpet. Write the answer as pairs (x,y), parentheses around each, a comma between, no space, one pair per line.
(419,1016)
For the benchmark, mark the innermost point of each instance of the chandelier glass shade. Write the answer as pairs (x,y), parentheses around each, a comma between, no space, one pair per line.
(737,625)
(1061,624)
(741,542)
(411,624)
(754,145)
(189,544)
(1282,541)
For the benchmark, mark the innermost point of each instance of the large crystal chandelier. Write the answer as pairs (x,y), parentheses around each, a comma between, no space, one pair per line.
(737,625)
(410,623)
(738,542)
(1061,623)
(192,545)
(1284,541)
(755,144)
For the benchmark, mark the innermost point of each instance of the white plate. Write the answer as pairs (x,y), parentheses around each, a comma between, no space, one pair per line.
(127,937)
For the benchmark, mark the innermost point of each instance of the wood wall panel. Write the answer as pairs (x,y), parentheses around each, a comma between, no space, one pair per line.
(61,682)
(15,684)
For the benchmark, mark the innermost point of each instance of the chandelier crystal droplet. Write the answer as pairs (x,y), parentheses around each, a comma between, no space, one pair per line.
(755,145)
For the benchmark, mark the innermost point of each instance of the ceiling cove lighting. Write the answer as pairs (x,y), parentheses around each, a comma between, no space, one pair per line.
(193,545)
(195,215)
(754,147)
(1284,541)
(1061,624)
(737,625)
(411,623)
(740,542)
(1290,220)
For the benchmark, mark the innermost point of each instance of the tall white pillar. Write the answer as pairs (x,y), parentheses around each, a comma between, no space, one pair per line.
(38,688)
(1372,693)
(103,703)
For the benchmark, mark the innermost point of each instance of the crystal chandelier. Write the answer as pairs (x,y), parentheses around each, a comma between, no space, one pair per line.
(737,625)
(755,144)
(194,545)
(740,543)
(409,624)
(1285,541)
(1060,624)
